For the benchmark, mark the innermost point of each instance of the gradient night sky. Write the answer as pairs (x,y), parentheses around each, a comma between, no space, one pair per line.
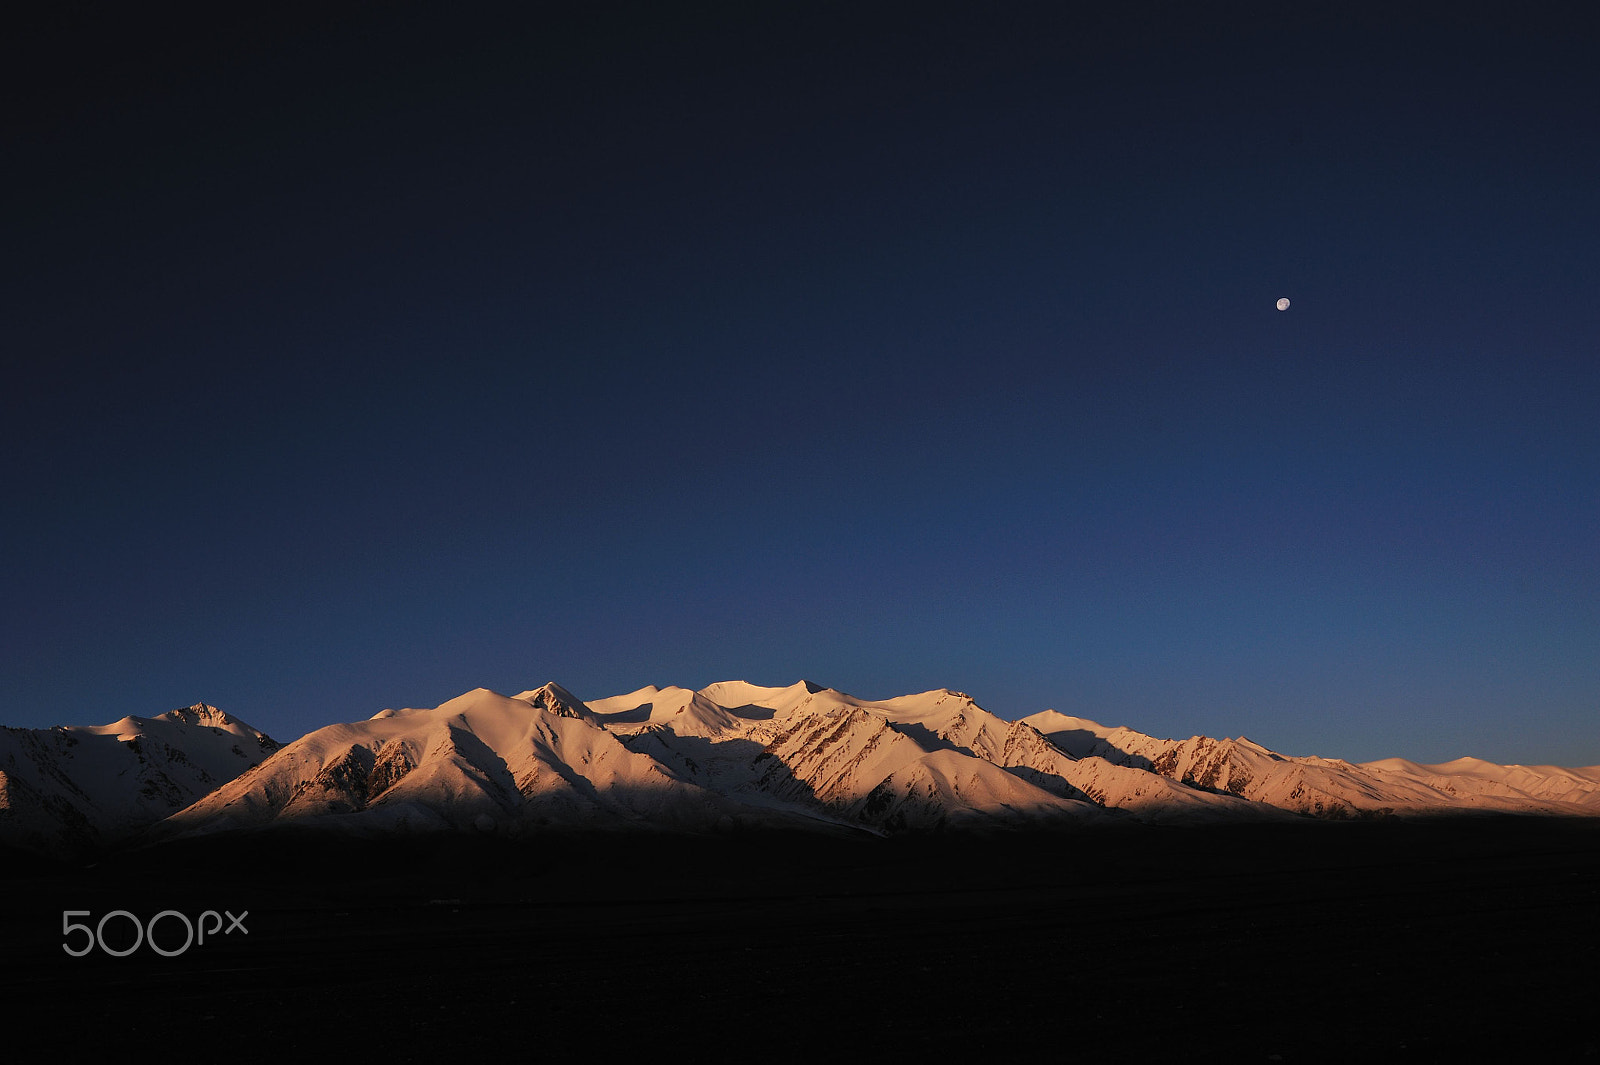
(356,360)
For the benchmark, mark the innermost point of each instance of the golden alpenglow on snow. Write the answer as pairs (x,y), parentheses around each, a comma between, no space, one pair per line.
(733,755)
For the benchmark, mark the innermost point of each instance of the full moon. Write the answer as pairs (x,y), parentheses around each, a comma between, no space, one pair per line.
(1283,303)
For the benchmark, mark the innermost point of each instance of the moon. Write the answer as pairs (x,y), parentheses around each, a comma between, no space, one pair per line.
(1283,303)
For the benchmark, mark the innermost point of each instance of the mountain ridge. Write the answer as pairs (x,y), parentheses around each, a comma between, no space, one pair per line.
(74,788)
(729,756)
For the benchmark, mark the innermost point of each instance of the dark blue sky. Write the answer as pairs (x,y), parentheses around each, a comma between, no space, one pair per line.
(357,359)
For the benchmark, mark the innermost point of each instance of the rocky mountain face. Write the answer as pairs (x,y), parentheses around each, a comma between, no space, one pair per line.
(733,754)
(71,790)
(919,761)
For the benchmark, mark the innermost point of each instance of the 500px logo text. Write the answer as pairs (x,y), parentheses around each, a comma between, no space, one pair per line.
(194,932)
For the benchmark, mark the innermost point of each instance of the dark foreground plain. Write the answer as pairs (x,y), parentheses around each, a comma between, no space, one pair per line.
(1454,940)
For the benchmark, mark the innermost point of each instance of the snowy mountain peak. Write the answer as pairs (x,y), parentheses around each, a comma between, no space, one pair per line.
(200,714)
(72,788)
(557,700)
(742,695)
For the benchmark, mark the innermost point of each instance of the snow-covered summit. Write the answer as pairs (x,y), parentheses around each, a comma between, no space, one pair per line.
(72,788)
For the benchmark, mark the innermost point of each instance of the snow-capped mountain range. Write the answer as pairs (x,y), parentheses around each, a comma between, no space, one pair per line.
(75,788)
(730,755)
